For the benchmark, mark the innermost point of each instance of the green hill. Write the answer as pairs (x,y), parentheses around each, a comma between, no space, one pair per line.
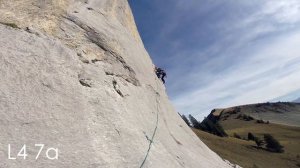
(239,121)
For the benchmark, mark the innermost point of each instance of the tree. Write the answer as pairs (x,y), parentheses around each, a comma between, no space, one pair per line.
(194,122)
(272,144)
(185,120)
(250,136)
(220,131)
(212,127)
(258,141)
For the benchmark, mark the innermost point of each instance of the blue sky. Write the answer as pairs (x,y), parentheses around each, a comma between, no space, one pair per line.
(221,53)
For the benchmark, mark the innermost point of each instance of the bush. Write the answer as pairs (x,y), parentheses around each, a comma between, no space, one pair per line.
(272,144)
(247,118)
(237,136)
(262,121)
(251,136)
(239,116)
(259,121)
(244,117)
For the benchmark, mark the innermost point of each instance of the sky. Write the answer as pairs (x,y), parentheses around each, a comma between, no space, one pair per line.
(222,53)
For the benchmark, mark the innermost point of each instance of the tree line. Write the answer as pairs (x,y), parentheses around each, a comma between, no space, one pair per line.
(213,127)
(206,125)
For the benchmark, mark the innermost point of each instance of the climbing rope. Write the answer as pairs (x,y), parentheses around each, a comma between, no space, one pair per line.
(154,132)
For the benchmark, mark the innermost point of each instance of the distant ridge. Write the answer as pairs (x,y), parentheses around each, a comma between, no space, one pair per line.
(286,113)
(243,123)
(297,100)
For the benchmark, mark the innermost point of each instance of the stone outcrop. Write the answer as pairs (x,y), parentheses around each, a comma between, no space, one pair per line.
(76,77)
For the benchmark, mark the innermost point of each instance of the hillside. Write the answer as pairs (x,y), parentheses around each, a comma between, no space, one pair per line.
(75,77)
(244,152)
(286,113)
(297,100)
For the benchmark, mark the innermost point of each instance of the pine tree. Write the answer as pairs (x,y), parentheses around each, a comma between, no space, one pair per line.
(194,122)
(185,120)
(237,136)
(211,127)
(272,144)
(258,141)
(250,136)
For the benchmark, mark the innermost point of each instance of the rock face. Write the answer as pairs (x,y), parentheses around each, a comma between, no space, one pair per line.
(75,77)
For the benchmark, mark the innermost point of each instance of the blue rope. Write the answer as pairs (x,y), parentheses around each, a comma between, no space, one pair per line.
(153,135)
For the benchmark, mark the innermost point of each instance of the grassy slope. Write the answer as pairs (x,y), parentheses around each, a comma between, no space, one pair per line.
(245,154)
(281,113)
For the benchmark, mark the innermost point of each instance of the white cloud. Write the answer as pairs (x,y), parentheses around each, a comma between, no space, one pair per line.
(248,51)
(271,72)
(269,68)
(284,11)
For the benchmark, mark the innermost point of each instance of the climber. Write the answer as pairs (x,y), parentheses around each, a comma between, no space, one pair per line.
(163,75)
(157,71)
(160,73)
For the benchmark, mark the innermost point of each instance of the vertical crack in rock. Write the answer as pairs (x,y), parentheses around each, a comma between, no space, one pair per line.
(178,142)
(116,87)
(125,77)
(118,131)
(173,137)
